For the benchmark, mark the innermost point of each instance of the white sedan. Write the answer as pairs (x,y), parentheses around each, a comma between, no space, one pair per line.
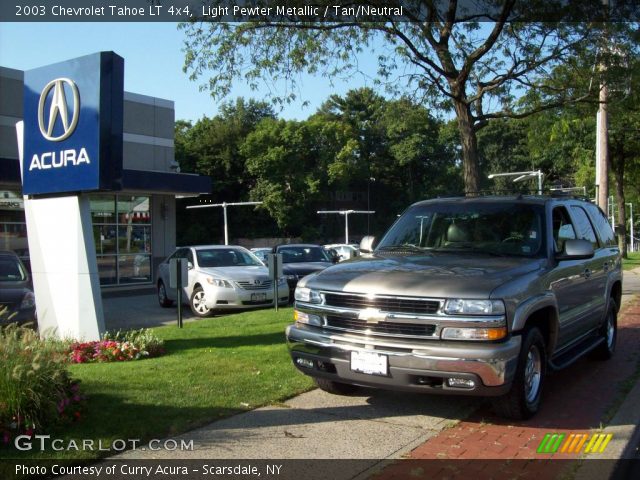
(221,277)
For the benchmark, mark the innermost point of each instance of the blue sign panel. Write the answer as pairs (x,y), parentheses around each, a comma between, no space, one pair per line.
(73,125)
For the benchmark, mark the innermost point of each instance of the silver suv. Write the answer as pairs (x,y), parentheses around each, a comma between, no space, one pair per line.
(475,296)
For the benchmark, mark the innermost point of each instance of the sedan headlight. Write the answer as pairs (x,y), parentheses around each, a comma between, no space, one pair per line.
(461,306)
(28,301)
(307,295)
(219,282)
(282,281)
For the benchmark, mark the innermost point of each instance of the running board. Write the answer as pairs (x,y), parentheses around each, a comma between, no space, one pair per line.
(574,353)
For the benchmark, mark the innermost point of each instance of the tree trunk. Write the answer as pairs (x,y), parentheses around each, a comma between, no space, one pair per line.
(618,170)
(469,142)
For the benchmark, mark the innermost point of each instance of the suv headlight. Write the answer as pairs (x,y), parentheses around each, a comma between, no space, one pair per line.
(461,306)
(219,282)
(465,333)
(307,295)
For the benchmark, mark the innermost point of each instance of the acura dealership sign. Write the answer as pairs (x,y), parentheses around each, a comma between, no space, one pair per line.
(73,126)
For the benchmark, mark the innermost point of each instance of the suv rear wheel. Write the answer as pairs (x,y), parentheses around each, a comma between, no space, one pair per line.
(523,400)
(335,388)
(609,331)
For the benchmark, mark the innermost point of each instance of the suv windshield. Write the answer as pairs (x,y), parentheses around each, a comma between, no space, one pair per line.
(492,228)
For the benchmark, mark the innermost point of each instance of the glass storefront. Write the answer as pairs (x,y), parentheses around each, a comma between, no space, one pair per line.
(121,231)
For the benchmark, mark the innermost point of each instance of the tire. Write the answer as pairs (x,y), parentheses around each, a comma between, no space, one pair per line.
(163,300)
(196,302)
(609,331)
(335,388)
(524,398)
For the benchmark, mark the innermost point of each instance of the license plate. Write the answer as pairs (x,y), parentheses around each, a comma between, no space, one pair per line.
(369,363)
(258,297)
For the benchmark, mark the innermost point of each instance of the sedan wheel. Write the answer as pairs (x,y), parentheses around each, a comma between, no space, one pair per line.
(163,300)
(198,303)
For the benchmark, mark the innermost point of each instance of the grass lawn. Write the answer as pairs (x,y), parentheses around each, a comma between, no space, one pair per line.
(212,369)
(632,262)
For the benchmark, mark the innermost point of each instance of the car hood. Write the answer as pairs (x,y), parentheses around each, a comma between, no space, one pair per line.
(12,293)
(441,275)
(237,273)
(304,268)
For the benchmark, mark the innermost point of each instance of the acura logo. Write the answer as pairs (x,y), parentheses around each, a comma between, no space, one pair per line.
(59,108)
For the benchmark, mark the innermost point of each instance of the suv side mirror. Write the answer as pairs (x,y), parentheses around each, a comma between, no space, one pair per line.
(366,244)
(189,266)
(576,250)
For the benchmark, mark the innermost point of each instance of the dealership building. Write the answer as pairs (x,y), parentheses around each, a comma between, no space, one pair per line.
(133,227)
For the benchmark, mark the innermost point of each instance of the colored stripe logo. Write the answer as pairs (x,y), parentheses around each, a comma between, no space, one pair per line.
(574,443)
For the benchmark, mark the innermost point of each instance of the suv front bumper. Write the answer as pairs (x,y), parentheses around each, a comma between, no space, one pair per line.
(422,366)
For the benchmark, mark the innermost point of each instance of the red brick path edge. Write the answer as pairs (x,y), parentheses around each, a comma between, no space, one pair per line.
(577,399)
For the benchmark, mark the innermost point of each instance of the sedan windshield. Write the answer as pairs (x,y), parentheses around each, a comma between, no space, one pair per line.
(11,270)
(226,257)
(491,228)
(303,254)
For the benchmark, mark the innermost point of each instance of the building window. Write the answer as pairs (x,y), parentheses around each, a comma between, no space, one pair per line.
(13,228)
(122,234)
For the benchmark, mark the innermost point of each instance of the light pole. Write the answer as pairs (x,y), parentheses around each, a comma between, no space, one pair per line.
(631,221)
(224,206)
(522,176)
(346,214)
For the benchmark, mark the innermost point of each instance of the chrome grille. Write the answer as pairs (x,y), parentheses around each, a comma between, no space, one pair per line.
(386,328)
(384,304)
(251,285)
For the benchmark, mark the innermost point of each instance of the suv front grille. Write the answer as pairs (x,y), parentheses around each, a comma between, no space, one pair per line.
(249,285)
(384,304)
(387,328)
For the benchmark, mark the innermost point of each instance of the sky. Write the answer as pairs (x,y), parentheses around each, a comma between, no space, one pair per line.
(153,63)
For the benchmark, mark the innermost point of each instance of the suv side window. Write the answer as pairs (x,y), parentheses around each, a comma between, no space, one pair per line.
(562,228)
(585,230)
(600,221)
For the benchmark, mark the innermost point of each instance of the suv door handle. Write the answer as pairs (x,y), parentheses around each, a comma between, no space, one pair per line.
(605,266)
(586,273)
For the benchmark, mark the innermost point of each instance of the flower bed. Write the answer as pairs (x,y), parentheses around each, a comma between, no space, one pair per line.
(117,347)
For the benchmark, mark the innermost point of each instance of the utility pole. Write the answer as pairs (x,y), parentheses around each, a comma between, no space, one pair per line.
(224,206)
(632,249)
(602,133)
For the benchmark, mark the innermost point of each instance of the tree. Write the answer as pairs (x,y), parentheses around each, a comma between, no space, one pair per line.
(445,57)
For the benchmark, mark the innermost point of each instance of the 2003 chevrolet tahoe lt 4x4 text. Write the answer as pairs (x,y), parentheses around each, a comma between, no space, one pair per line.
(476,296)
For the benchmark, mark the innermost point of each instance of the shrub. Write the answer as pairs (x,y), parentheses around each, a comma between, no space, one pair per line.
(35,388)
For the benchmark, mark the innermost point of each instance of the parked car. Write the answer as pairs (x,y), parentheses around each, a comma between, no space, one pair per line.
(301,259)
(17,301)
(221,278)
(345,251)
(261,253)
(473,296)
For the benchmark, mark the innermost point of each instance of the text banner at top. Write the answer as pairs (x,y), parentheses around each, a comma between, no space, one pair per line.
(289,11)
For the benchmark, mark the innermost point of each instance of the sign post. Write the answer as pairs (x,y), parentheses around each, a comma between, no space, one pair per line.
(178,279)
(275,269)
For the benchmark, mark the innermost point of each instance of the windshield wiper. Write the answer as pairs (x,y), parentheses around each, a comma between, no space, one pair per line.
(405,247)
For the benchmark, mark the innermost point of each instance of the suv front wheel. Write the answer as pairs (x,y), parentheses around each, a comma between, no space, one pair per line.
(523,400)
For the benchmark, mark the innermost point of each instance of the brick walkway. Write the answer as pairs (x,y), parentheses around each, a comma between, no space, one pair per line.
(578,399)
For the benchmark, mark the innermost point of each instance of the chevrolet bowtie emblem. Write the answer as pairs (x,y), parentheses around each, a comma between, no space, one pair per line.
(372,315)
